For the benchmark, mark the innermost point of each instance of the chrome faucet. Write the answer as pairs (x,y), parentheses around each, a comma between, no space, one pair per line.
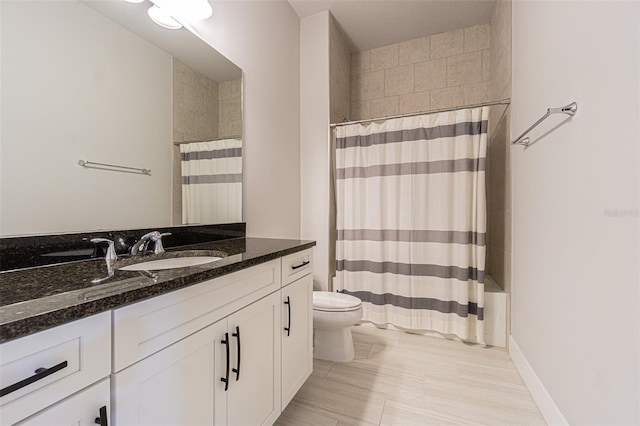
(111,255)
(140,247)
(110,258)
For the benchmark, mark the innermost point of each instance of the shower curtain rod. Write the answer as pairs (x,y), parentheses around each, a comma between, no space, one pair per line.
(209,140)
(505,101)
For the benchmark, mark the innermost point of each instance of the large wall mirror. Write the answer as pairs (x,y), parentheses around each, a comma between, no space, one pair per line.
(98,81)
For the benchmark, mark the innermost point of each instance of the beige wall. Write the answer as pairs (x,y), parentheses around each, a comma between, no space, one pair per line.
(498,170)
(439,71)
(575,305)
(263,38)
(230,108)
(314,141)
(340,73)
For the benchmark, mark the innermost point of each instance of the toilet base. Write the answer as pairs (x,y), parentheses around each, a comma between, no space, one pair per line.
(333,345)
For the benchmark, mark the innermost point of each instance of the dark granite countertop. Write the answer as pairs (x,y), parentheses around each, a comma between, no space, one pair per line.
(39,298)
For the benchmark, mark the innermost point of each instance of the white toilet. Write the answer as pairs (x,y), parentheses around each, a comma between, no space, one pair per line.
(333,316)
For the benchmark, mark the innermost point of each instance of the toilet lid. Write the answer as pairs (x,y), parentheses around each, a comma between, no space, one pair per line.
(328,301)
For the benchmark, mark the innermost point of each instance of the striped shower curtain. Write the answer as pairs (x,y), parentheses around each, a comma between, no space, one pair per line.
(411,220)
(211,181)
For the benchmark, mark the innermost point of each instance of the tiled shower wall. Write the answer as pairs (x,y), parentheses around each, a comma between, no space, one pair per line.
(340,74)
(195,105)
(439,71)
(230,108)
(499,171)
(202,110)
(339,106)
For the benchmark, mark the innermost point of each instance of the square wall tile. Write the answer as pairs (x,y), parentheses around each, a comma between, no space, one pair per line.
(398,80)
(194,100)
(360,110)
(384,107)
(430,75)
(476,93)
(414,102)
(200,82)
(360,62)
(447,98)
(367,86)
(486,65)
(416,50)
(225,90)
(447,44)
(384,57)
(182,72)
(477,38)
(464,69)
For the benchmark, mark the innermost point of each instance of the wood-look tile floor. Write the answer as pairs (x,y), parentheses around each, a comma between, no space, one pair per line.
(404,379)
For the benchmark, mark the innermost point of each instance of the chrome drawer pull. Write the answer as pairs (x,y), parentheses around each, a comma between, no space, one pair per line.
(41,373)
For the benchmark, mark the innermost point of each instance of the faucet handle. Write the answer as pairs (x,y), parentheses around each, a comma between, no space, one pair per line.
(111,255)
(157,239)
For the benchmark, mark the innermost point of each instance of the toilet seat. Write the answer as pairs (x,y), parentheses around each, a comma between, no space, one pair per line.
(327,301)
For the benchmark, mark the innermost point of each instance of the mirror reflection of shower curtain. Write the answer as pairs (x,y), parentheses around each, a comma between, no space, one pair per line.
(411,220)
(211,181)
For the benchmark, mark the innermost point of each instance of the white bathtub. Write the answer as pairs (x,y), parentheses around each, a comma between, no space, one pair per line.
(495,314)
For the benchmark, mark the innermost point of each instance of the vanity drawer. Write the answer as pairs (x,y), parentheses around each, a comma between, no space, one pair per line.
(296,265)
(43,368)
(146,327)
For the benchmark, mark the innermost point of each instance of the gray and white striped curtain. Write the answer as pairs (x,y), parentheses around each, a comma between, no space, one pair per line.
(411,220)
(211,181)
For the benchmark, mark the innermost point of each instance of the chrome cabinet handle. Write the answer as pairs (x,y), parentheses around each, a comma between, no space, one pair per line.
(41,373)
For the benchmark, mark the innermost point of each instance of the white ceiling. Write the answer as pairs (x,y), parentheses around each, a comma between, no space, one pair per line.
(367,24)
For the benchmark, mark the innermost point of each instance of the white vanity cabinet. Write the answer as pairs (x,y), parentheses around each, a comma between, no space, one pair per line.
(226,373)
(178,385)
(41,369)
(86,408)
(253,396)
(232,350)
(297,323)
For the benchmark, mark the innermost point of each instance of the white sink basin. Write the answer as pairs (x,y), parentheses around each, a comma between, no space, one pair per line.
(173,263)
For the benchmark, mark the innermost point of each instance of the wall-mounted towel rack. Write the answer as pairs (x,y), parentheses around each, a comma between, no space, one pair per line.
(113,167)
(238,137)
(570,109)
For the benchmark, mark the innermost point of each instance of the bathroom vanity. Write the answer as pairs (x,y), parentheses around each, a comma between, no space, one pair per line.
(229,342)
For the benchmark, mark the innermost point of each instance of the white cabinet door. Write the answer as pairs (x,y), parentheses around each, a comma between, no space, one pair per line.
(297,336)
(86,408)
(254,389)
(179,385)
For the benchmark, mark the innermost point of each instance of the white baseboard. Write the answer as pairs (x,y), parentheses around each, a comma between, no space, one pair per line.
(547,406)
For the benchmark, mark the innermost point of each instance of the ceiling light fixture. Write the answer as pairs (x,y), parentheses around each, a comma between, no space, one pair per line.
(162,18)
(169,13)
(193,9)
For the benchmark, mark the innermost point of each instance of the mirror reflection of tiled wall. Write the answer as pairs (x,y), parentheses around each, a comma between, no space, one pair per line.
(203,110)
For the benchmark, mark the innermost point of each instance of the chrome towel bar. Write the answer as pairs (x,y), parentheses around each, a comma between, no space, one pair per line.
(570,109)
(116,168)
